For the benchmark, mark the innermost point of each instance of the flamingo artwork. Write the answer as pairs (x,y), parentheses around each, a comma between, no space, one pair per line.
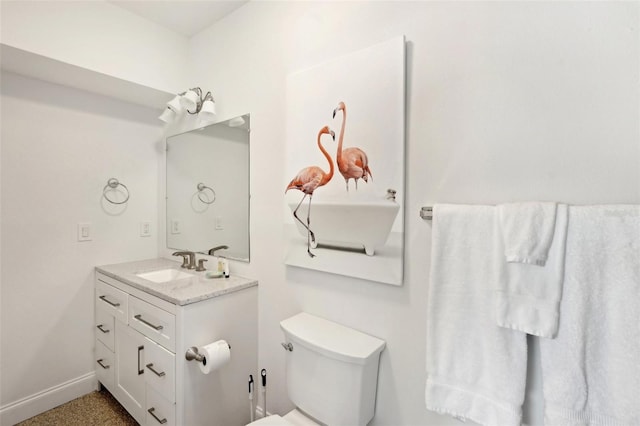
(308,180)
(352,162)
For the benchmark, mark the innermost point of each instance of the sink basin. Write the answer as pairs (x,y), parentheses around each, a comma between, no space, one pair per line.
(164,275)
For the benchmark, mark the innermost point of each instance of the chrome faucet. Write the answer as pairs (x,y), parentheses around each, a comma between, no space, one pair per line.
(188,259)
(212,252)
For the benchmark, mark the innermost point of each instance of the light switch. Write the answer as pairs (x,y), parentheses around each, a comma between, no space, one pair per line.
(84,232)
(219,224)
(145,229)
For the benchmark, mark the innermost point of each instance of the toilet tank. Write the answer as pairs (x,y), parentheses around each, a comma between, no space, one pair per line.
(332,370)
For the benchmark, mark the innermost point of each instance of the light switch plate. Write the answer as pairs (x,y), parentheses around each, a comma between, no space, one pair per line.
(175,226)
(145,229)
(84,231)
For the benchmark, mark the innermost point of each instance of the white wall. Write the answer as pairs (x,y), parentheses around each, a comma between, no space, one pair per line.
(506,101)
(59,147)
(100,37)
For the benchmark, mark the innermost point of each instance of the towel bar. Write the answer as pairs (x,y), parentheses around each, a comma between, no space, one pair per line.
(426,213)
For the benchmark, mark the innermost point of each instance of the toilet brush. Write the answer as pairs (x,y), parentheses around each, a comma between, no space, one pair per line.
(263,373)
(251,410)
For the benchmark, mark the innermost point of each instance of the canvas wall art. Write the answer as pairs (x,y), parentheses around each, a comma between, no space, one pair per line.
(344,178)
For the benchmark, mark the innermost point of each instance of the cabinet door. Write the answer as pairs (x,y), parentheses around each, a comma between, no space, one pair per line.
(105,367)
(160,371)
(130,358)
(105,332)
(111,300)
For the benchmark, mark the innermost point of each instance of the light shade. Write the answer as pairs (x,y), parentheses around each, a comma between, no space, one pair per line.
(208,108)
(175,105)
(189,100)
(167,115)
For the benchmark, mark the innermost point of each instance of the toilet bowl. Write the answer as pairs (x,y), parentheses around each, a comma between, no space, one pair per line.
(340,362)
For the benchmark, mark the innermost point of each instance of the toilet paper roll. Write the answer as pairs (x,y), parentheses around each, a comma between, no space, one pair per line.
(215,354)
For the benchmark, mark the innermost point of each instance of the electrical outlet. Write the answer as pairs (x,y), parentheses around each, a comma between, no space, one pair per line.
(175,226)
(84,231)
(219,224)
(145,229)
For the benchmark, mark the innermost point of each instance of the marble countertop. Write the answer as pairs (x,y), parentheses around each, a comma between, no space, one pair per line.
(180,291)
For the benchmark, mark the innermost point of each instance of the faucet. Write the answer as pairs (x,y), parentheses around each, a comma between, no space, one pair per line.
(188,259)
(212,251)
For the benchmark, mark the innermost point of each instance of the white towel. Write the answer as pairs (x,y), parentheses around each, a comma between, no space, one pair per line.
(591,371)
(475,369)
(527,230)
(528,295)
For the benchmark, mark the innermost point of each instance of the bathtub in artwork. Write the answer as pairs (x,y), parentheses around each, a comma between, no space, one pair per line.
(349,224)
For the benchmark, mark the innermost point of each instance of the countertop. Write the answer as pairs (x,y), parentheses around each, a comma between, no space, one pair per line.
(181,291)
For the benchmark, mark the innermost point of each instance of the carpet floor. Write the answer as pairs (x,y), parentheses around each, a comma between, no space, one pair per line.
(96,408)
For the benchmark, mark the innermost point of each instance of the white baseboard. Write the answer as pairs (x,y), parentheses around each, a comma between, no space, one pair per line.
(25,408)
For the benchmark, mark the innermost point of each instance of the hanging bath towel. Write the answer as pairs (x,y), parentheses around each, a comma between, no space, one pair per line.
(591,370)
(528,293)
(475,369)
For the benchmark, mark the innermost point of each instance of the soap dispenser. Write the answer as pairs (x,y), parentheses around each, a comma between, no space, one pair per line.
(223,266)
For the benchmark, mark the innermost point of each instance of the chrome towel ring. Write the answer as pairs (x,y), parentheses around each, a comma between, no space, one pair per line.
(201,188)
(113,183)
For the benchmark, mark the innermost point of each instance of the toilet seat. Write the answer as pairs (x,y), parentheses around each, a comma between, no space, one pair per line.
(273,420)
(292,418)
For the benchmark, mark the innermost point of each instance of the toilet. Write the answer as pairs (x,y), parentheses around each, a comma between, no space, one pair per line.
(331,373)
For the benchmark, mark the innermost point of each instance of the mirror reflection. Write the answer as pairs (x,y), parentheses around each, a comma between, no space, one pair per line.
(208,189)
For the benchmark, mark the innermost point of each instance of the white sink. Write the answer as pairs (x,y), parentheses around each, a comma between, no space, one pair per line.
(164,275)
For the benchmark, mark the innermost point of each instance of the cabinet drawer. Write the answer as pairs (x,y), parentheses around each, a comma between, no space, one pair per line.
(105,328)
(160,367)
(105,368)
(111,300)
(155,323)
(160,411)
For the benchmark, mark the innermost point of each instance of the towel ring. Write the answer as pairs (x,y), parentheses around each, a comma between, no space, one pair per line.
(113,183)
(201,188)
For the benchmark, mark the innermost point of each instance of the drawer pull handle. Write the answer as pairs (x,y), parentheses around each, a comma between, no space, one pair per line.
(106,367)
(114,304)
(99,327)
(157,373)
(140,349)
(155,327)
(151,411)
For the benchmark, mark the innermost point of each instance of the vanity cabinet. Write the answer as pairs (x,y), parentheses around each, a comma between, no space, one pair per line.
(140,347)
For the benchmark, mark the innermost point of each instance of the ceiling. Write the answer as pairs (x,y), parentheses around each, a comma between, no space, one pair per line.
(186,17)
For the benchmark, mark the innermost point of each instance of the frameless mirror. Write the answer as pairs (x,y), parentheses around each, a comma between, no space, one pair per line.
(208,189)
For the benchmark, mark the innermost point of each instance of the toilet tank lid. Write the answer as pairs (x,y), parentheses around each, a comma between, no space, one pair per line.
(331,339)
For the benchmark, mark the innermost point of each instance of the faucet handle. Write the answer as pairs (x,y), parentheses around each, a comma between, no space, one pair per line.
(185,258)
(200,266)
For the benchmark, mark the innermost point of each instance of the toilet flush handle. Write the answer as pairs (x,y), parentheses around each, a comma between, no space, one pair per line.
(287,346)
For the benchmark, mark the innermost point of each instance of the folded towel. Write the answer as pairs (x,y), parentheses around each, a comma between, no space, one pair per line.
(475,370)
(528,296)
(591,370)
(527,231)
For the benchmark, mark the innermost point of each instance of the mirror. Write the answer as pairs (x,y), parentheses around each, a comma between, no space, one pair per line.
(208,189)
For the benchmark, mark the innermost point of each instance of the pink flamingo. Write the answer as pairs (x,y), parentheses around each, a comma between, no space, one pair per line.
(308,180)
(352,162)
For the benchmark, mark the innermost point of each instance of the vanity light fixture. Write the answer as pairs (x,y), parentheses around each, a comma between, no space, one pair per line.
(191,101)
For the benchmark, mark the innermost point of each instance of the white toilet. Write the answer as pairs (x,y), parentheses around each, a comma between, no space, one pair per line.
(332,373)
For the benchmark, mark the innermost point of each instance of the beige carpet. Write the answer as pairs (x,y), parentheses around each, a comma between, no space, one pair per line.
(96,408)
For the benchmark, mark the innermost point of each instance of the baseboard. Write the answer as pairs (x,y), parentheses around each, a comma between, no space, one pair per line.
(25,408)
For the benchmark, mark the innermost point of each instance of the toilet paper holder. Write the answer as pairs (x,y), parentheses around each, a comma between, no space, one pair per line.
(193,354)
